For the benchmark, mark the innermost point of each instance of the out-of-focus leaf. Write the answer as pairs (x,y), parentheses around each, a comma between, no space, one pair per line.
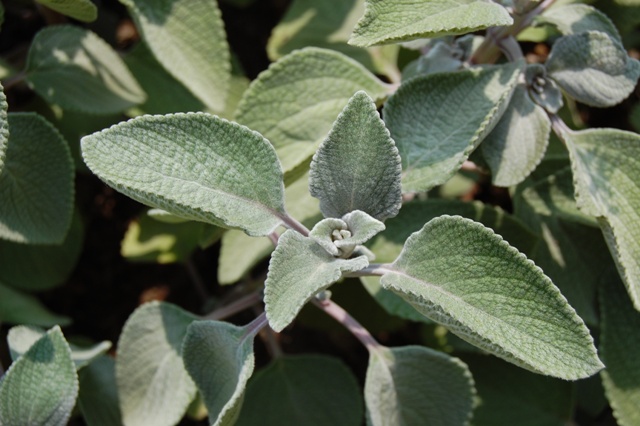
(20,308)
(82,10)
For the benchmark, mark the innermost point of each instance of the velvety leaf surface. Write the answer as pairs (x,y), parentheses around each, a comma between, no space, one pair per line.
(4,128)
(193,165)
(620,345)
(437,120)
(357,167)
(593,68)
(388,22)
(82,10)
(187,37)
(295,102)
(21,308)
(76,69)
(577,18)
(515,147)
(219,358)
(36,183)
(339,237)
(606,169)
(41,387)
(153,385)
(98,398)
(299,268)
(462,275)
(415,385)
(293,390)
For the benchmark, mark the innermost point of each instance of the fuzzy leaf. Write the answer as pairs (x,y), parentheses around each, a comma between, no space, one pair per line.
(298,385)
(357,167)
(82,10)
(41,387)
(415,385)
(388,22)
(187,37)
(515,147)
(153,385)
(459,273)
(593,68)
(98,398)
(21,308)
(543,91)
(437,120)
(219,358)
(4,129)
(295,102)
(194,165)
(606,170)
(338,236)
(299,268)
(577,18)
(37,158)
(77,70)
(620,345)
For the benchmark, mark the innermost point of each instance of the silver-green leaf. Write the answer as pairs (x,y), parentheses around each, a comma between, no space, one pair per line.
(98,398)
(194,165)
(82,10)
(464,276)
(577,18)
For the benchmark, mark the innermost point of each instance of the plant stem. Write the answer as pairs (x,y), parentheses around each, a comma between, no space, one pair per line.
(292,223)
(256,325)
(560,128)
(340,315)
(274,237)
(375,269)
(270,339)
(13,81)
(233,308)
(196,279)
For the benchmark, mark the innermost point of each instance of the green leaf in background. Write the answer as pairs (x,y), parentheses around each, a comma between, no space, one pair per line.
(620,345)
(299,268)
(219,358)
(20,308)
(4,128)
(437,120)
(98,397)
(515,147)
(415,385)
(509,395)
(187,37)
(297,386)
(388,22)
(153,385)
(82,10)
(76,69)
(295,102)
(41,387)
(37,158)
(194,165)
(593,68)
(459,273)
(40,267)
(606,171)
(443,56)
(577,18)
(22,337)
(357,167)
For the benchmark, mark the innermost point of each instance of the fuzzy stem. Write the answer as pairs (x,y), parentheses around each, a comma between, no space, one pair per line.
(196,279)
(274,237)
(234,307)
(375,269)
(560,128)
(256,325)
(292,223)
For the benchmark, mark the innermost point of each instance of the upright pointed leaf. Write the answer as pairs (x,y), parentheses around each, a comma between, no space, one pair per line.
(21,308)
(82,10)
(219,358)
(153,385)
(188,39)
(41,387)
(462,275)
(98,398)
(439,119)
(196,166)
(415,385)
(389,22)
(357,167)
(606,170)
(77,70)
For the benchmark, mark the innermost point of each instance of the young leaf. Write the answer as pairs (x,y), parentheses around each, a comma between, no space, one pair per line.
(593,68)
(153,385)
(357,167)
(77,70)
(339,237)
(37,158)
(82,10)
(437,120)
(187,37)
(606,170)
(620,345)
(295,101)
(20,308)
(299,268)
(4,128)
(515,147)
(415,385)
(298,386)
(577,18)
(219,358)
(194,165)
(459,273)
(388,22)
(98,397)
(41,387)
